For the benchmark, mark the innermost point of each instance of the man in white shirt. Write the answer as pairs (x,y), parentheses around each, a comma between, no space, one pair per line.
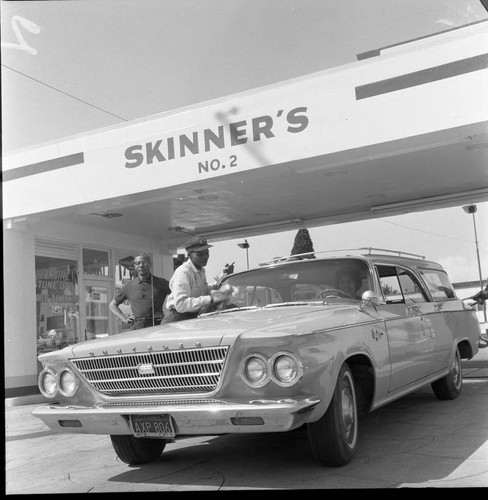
(190,292)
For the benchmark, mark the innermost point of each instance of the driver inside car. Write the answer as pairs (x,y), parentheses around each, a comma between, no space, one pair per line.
(351,283)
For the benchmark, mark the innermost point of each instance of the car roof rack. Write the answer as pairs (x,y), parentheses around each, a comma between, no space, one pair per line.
(371,251)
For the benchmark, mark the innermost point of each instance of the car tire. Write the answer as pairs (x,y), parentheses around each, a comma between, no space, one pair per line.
(450,386)
(334,437)
(133,451)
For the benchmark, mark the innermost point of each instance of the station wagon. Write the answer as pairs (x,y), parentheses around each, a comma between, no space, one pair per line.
(311,340)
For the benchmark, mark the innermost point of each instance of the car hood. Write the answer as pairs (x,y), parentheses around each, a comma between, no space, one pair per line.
(224,328)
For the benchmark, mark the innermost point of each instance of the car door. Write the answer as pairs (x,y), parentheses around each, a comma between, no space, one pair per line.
(404,315)
(444,312)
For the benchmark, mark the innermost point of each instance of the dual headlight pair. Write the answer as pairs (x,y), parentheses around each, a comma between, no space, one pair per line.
(282,368)
(63,382)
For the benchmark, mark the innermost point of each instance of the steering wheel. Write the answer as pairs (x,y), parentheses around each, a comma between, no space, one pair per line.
(333,292)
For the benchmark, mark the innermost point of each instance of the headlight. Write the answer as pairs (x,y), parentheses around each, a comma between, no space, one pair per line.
(286,370)
(68,383)
(255,370)
(47,383)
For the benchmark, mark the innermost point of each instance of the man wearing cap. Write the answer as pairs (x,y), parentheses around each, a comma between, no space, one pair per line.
(190,292)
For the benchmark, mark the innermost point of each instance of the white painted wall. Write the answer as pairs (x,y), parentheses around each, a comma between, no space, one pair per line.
(20,346)
(19,292)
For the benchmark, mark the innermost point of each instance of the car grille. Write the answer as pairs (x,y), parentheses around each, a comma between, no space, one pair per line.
(173,402)
(183,371)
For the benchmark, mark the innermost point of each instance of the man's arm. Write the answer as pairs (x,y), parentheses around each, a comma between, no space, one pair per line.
(481,297)
(114,307)
(184,302)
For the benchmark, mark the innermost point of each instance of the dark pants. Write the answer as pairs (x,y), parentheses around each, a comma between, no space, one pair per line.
(145,322)
(173,315)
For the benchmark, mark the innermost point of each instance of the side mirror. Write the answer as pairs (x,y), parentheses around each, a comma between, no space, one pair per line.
(369,298)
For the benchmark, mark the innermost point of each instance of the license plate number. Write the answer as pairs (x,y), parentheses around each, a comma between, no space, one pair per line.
(158,426)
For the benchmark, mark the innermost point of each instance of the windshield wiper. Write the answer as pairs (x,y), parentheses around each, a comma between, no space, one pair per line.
(233,309)
(269,306)
(286,304)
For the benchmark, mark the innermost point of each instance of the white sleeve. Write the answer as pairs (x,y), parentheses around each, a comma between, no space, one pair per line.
(181,287)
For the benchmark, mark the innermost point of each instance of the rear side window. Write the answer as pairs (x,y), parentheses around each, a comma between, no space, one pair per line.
(439,284)
(399,286)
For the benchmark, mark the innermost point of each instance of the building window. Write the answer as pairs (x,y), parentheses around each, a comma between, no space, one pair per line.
(96,262)
(57,303)
(124,270)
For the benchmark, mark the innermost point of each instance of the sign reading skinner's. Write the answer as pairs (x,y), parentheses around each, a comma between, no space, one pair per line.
(229,134)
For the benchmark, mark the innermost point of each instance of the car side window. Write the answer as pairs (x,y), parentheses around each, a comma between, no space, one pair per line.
(399,286)
(439,284)
(412,290)
(390,285)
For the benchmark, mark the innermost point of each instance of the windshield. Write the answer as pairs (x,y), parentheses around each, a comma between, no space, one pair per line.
(304,280)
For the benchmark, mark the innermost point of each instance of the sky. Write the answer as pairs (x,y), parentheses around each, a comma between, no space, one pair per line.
(75,66)
(88,64)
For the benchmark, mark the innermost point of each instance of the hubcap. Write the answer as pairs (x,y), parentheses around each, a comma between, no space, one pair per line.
(348,414)
(456,371)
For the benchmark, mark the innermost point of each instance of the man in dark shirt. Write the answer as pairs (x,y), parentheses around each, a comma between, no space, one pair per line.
(146,294)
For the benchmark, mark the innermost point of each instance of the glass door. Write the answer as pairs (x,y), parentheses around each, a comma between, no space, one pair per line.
(57,303)
(97,314)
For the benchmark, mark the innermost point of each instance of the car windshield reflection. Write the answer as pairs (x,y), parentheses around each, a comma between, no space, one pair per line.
(300,283)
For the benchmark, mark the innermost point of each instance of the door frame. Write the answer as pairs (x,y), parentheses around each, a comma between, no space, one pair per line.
(106,282)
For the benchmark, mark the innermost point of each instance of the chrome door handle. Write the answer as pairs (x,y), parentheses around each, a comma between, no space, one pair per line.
(413,309)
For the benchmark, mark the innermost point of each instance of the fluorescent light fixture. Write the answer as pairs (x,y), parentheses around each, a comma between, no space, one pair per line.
(181,229)
(108,215)
(434,201)
(245,229)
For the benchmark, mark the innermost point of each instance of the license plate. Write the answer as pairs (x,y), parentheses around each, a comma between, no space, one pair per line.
(156,426)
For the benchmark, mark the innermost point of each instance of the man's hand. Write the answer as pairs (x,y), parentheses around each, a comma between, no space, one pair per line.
(228,290)
(480,297)
(130,319)
(228,269)
(218,297)
(223,295)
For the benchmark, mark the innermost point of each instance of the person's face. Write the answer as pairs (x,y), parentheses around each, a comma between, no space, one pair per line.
(347,284)
(142,266)
(199,259)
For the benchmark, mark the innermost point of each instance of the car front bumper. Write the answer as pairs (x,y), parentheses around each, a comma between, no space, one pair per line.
(190,417)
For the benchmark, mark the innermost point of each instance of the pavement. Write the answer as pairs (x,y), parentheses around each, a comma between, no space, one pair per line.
(414,442)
